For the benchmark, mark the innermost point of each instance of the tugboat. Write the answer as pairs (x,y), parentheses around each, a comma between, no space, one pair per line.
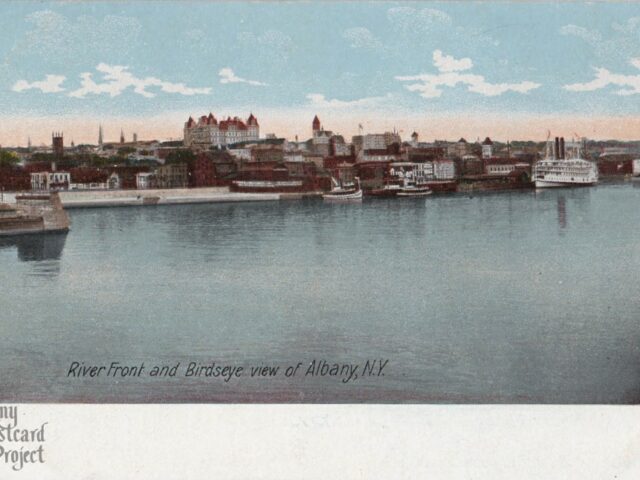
(413,189)
(346,193)
(389,189)
(33,213)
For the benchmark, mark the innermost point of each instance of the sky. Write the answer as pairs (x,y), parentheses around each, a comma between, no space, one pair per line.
(446,70)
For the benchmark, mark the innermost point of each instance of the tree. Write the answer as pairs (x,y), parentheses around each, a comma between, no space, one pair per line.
(43,157)
(8,159)
(180,156)
(124,151)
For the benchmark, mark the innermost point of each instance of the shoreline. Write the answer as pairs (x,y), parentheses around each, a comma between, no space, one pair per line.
(183,196)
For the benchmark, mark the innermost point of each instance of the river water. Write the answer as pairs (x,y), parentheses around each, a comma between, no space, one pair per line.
(521,297)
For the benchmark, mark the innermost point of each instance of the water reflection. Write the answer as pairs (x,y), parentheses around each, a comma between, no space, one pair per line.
(562,212)
(36,247)
(471,299)
(214,226)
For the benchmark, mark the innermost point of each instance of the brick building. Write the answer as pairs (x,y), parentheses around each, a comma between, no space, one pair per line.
(172,176)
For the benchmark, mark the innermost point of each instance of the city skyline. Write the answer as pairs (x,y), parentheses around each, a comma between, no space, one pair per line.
(445,70)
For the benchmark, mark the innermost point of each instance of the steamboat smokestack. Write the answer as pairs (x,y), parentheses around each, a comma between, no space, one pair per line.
(556,149)
(562,152)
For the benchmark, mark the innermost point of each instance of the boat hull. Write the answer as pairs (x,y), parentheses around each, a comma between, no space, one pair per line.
(343,197)
(558,184)
(353,193)
(421,193)
(381,192)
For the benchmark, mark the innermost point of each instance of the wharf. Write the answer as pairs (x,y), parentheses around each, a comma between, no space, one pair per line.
(131,198)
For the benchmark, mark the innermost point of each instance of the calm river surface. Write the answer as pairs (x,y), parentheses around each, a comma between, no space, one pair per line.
(517,297)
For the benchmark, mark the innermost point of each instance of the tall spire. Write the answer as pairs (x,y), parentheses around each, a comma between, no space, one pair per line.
(100,137)
(121,136)
(29,143)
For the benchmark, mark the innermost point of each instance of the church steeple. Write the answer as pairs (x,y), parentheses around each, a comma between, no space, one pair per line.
(100,135)
(121,136)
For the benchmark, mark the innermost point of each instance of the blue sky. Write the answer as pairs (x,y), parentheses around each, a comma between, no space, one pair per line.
(401,60)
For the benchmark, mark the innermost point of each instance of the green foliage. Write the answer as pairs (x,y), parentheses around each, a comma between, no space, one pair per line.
(114,160)
(98,161)
(124,151)
(143,163)
(86,159)
(43,157)
(8,159)
(180,156)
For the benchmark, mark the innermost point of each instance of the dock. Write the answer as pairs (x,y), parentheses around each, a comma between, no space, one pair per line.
(133,198)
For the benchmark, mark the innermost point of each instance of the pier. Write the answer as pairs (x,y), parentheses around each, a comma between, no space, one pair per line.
(131,198)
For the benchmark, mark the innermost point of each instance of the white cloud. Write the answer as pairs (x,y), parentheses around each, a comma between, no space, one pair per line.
(411,19)
(418,26)
(604,78)
(589,36)
(117,78)
(628,27)
(432,15)
(430,85)
(494,89)
(361,37)
(228,76)
(619,44)
(50,84)
(446,63)
(319,100)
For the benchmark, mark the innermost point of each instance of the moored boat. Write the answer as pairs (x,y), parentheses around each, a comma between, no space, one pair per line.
(388,190)
(415,191)
(559,170)
(412,188)
(344,193)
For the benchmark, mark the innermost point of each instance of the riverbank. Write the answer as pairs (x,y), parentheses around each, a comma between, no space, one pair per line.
(130,198)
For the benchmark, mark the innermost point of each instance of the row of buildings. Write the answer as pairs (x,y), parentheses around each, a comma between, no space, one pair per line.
(230,152)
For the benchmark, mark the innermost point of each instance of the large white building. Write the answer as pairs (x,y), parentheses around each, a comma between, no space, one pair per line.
(444,169)
(41,181)
(207,131)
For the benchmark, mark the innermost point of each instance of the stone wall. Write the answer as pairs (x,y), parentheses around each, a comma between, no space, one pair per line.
(49,207)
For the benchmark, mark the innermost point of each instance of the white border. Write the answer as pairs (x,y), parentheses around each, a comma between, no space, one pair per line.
(206,442)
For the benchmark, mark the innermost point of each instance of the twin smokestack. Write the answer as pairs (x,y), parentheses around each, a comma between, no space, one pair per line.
(559,148)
